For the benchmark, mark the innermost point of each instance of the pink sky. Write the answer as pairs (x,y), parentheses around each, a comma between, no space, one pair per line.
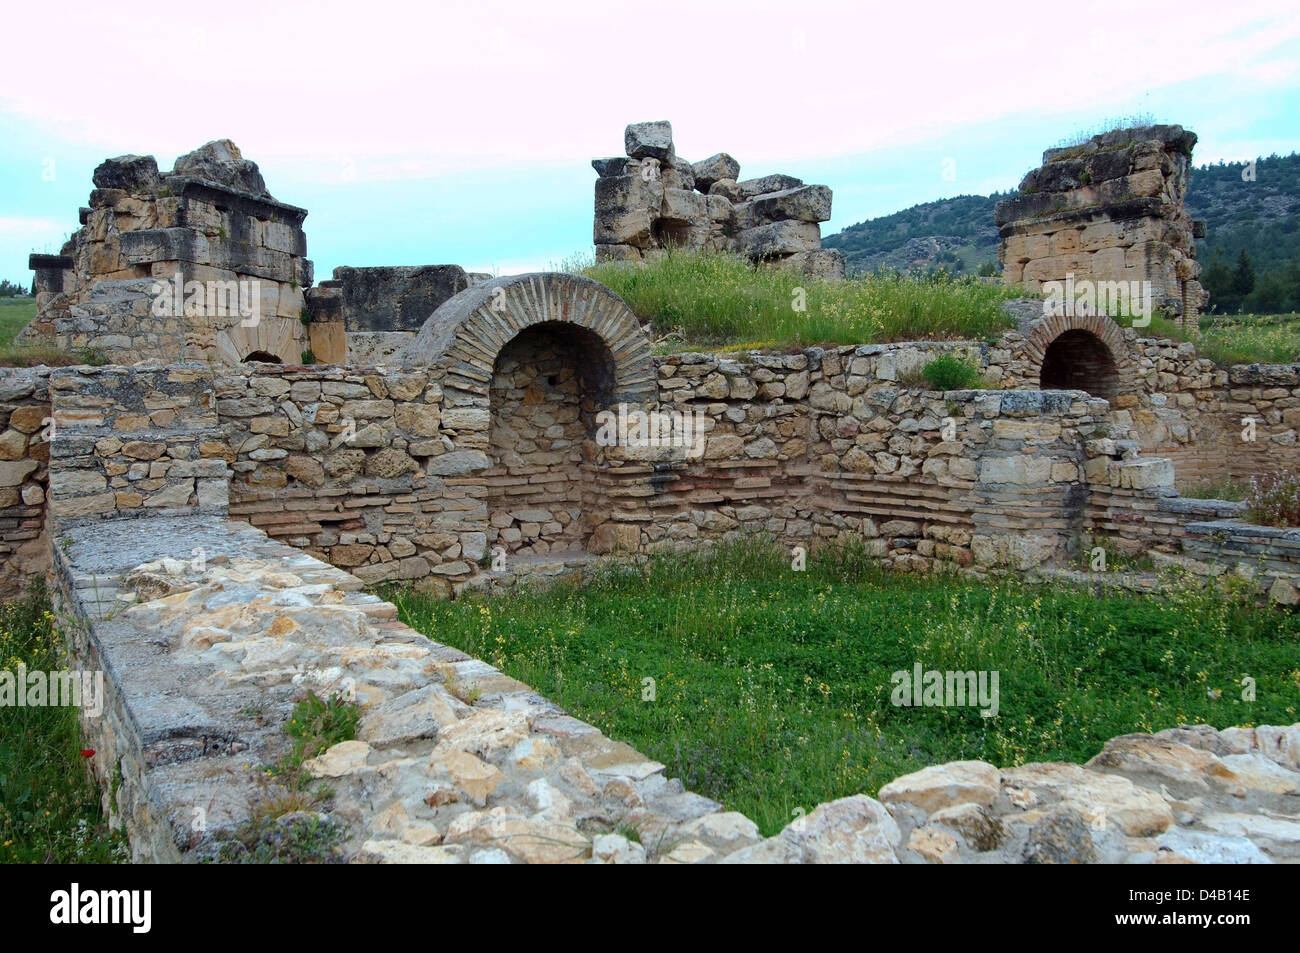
(410,89)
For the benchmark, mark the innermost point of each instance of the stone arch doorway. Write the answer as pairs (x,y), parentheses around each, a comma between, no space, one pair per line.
(1087,353)
(263,357)
(1078,360)
(528,361)
(549,383)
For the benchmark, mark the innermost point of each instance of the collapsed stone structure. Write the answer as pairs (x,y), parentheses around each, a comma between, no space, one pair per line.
(1109,210)
(199,263)
(651,200)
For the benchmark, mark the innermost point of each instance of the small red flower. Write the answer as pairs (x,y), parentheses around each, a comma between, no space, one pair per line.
(87,752)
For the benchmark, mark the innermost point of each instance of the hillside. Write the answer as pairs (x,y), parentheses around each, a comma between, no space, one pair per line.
(957,233)
(1260,217)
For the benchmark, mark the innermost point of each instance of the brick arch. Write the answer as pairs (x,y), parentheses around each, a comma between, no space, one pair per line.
(468,331)
(1101,329)
(280,337)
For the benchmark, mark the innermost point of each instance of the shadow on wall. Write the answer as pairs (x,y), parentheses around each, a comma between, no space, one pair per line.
(1079,360)
(548,384)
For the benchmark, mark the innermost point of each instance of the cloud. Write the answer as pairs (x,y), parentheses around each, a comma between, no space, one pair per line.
(407,91)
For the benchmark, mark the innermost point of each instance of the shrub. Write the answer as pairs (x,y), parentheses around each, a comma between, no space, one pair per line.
(952,373)
(316,725)
(1274,499)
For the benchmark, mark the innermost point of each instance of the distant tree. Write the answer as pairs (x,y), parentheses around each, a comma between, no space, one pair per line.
(9,289)
(1271,294)
(1243,276)
(1217,280)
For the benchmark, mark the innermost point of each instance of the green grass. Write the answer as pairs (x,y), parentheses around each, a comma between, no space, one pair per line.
(1238,338)
(14,315)
(717,301)
(49,807)
(1217,490)
(772,687)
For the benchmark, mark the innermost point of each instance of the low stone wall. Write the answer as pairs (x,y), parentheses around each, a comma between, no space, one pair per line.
(1266,555)
(392,476)
(376,473)
(455,762)
(135,441)
(25,432)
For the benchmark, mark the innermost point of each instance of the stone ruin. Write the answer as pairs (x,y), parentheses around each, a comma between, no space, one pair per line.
(122,284)
(374,313)
(652,200)
(141,492)
(1107,210)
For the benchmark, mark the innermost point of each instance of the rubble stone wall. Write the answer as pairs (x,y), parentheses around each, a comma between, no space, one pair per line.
(652,199)
(25,434)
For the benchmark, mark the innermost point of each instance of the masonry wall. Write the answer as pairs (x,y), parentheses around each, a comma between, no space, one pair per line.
(401,476)
(378,473)
(24,475)
(118,287)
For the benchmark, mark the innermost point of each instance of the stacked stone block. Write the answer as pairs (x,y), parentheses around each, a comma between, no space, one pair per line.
(25,434)
(373,313)
(652,200)
(211,220)
(1110,209)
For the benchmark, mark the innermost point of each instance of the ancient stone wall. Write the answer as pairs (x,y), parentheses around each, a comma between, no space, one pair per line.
(134,441)
(1109,210)
(199,263)
(25,432)
(652,200)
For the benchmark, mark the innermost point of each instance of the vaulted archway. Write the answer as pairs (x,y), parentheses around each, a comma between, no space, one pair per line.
(528,362)
(1078,360)
(1085,353)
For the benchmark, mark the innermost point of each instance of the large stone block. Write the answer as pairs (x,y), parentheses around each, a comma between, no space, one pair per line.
(631,227)
(396,298)
(779,238)
(618,193)
(805,203)
(649,140)
(129,173)
(714,169)
(750,188)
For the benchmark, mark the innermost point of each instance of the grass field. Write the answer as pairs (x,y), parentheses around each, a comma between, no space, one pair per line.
(1239,338)
(715,301)
(772,688)
(49,807)
(719,302)
(14,315)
